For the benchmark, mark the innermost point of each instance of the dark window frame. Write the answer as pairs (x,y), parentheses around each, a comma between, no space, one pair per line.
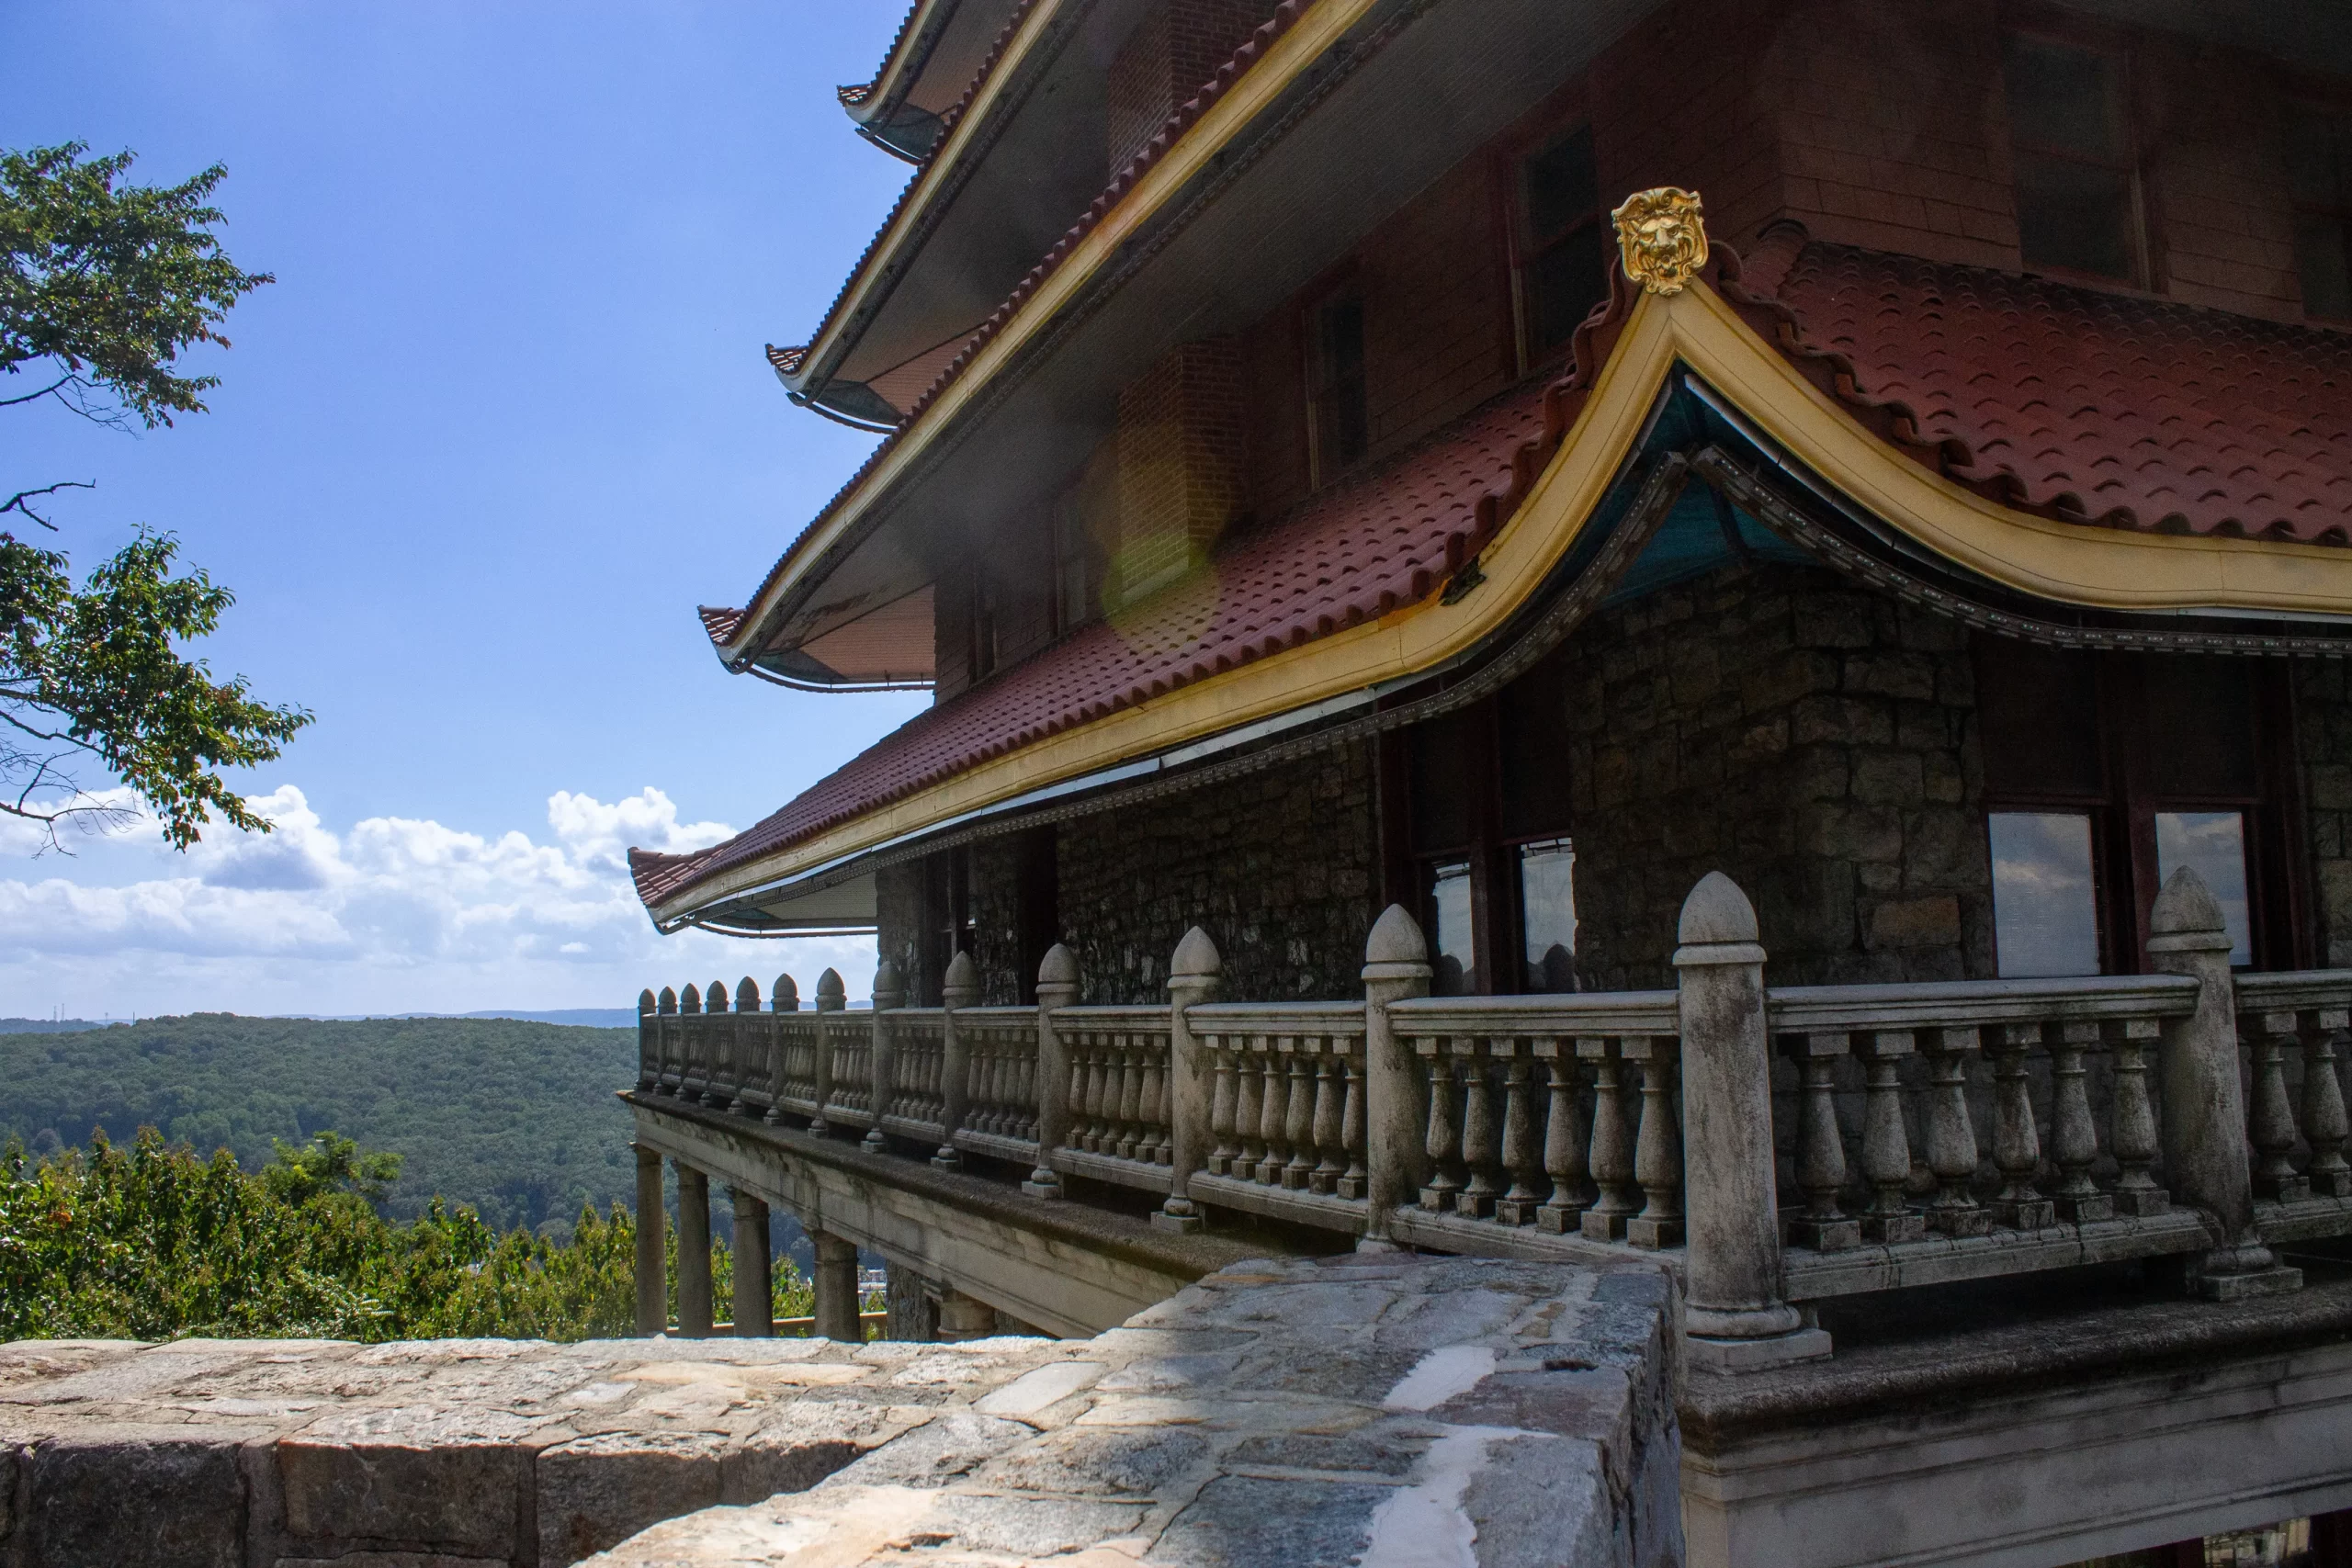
(1327,389)
(1523,248)
(2123,809)
(2131,159)
(2336,211)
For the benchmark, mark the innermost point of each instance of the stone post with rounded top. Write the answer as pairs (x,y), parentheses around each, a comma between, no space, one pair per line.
(648,1071)
(1057,988)
(652,1260)
(832,996)
(693,1253)
(783,997)
(960,990)
(2206,1160)
(889,994)
(1734,1317)
(835,1282)
(754,1289)
(1194,977)
(1396,966)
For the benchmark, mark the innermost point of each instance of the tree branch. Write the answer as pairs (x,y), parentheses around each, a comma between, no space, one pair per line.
(22,500)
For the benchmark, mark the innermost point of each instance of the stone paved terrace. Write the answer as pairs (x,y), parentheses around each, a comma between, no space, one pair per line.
(1373,1407)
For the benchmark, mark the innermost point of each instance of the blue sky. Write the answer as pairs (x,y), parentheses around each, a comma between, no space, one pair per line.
(501,423)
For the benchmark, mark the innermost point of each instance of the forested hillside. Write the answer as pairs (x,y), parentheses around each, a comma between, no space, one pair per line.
(518,1120)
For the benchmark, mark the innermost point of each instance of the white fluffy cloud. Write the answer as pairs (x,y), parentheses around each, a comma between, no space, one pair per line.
(392,914)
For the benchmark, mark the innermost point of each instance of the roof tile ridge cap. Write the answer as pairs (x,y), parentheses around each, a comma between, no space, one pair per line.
(1243,58)
(1172,130)
(948,122)
(857,93)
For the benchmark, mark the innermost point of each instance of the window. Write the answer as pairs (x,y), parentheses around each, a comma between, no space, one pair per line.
(1561,270)
(1339,427)
(2077,198)
(2319,176)
(1073,563)
(1485,851)
(983,622)
(2104,774)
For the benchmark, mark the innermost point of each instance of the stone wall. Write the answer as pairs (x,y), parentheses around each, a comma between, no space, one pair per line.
(1280,867)
(1808,738)
(2324,736)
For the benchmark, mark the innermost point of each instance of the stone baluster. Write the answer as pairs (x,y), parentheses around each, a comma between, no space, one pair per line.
(1395,967)
(1299,1120)
(2017,1143)
(1734,1315)
(1443,1147)
(2324,1126)
(1353,1180)
(2073,1136)
(1195,973)
(2273,1133)
(1482,1148)
(719,1064)
(1249,1104)
(1821,1148)
(1221,1107)
(690,1039)
(1057,989)
(747,1021)
(832,996)
(1325,1178)
(1137,1141)
(1951,1136)
(653,1255)
(1522,1151)
(665,1030)
(960,990)
(694,1251)
(1886,1142)
(783,996)
(1568,1144)
(1611,1160)
(1274,1116)
(2206,1154)
(648,1041)
(881,1062)
(2132,1131)
(1657,1144)
(1101,1091)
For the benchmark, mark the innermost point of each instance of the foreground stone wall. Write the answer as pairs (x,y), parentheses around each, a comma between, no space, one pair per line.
(1370,1408)
(1813,740)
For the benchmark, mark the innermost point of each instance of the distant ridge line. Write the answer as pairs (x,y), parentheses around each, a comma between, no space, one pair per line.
(568,1018)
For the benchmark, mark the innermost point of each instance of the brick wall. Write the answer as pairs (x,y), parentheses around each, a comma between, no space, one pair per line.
(1182,465)
(1436,310)
(1175,51)
(1811,739)
(2216,180)
(1279,867)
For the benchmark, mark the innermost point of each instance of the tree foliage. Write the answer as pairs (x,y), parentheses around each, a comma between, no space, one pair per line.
(152,1241)
(103,286)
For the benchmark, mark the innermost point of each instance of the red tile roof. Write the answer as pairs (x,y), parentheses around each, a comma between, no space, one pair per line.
(1349,554)
(2076,403)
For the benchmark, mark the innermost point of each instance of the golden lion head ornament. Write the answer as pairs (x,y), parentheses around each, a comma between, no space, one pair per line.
(1662,237)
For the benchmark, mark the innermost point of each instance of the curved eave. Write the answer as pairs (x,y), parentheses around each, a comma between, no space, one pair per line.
(879,108)
(2042,560)
(1320,26)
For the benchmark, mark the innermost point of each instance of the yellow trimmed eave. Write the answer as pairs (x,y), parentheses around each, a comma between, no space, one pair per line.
(1322,24)
(2068,563)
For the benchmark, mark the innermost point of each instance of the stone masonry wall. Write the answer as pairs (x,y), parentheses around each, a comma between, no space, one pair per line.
(1813,740)
(1280,867)
(2323,735)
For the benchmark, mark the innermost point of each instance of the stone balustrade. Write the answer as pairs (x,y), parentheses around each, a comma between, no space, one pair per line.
(1773,1146)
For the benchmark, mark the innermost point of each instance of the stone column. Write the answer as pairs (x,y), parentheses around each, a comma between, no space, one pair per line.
(1056,987)
(1732,1313)
(964,1317)
(652,1262)
(693,1252)
(961,989)
(913,1316)
(755,1290)
(889,994)
(1193,975)
(2206,1159)
(836,1282)
(649,1070)
(1396,966)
